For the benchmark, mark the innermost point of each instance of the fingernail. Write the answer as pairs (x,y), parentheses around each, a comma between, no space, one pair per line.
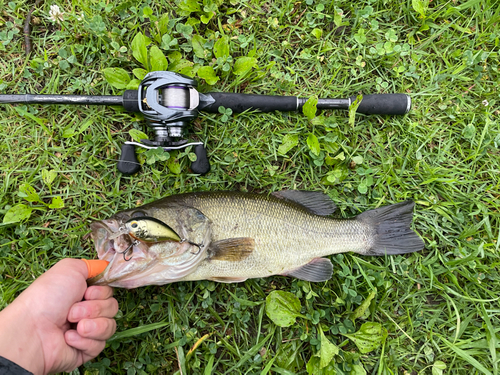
(78,313)
(72,335)
(89,326)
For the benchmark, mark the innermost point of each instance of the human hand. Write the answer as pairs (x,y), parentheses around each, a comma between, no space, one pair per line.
(48,328)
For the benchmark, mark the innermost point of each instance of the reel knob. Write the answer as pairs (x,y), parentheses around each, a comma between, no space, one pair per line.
(128,163)
(201,165)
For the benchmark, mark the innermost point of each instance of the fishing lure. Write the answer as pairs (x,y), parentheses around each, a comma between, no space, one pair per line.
(151,230)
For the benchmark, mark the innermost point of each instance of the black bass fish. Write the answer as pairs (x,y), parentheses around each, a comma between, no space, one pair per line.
(232,236)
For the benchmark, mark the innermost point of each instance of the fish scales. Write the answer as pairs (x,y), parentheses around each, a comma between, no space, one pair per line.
(244,235)
(286,235)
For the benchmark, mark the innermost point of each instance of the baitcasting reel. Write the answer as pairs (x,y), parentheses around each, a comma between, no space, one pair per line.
(169,102)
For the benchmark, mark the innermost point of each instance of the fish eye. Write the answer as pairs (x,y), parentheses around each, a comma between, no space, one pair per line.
(134,225)
(138,214)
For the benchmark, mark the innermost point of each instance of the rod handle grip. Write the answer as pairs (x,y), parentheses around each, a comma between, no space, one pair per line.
(384,104)
(242,102)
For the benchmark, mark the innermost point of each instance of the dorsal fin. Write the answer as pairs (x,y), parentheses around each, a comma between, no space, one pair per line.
(315,202)
(232,249)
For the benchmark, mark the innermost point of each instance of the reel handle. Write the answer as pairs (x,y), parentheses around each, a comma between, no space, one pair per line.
(128,163)
(201,165)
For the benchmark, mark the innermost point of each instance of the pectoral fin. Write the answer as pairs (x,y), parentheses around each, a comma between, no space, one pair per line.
(317,270)
(232,249)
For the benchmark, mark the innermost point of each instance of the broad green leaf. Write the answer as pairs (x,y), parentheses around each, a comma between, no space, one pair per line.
(116,77)
(57,202)
(221,47)
(29,193)
(186,7)
(197,42)
(391,36)
(313,144)
(358,159)
(69,132)
(361,309)
(352,109)
(438,367)
(157,59)
(317,33)
(133,84)
(179,65)
(137,135)
(206,17)
(208,74)
(139,48)
(310,107)
(327,351)
(147,11)
(360,36)
(469,131)
(313,367)
(17,213)
(174,56)
(340,156)
(243,65)
(369,337)
(283,308)
(363,187)
(185,29)
(420,6)
(156,154)
(48,176)
(337,18)
(174,166)
(289,141)
(357,370)
(140,73)
(163,25)
(190,69)
(167,42)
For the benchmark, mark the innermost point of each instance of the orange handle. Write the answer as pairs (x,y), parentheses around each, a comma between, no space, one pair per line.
(95,266)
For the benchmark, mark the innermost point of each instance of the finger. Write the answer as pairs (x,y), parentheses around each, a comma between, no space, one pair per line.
(97,329)
(98,292)
(90,347)
(93,309)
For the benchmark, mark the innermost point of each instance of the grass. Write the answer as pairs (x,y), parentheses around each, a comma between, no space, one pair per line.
(440,306)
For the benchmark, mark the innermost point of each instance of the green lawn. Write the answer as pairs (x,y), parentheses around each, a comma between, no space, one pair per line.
(440,307)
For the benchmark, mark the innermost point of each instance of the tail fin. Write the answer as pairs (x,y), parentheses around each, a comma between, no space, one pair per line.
(391,225)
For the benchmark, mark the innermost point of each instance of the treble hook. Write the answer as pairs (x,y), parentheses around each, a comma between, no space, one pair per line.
(124,252)
(199,246)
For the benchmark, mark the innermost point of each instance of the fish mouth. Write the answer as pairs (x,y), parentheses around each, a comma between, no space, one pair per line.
(133,263)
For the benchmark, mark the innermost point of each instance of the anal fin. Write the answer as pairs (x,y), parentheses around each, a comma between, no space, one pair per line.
(232,249)
(227,280)
(317,270)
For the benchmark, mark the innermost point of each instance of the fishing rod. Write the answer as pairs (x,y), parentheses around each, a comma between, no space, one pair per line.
(169,101)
